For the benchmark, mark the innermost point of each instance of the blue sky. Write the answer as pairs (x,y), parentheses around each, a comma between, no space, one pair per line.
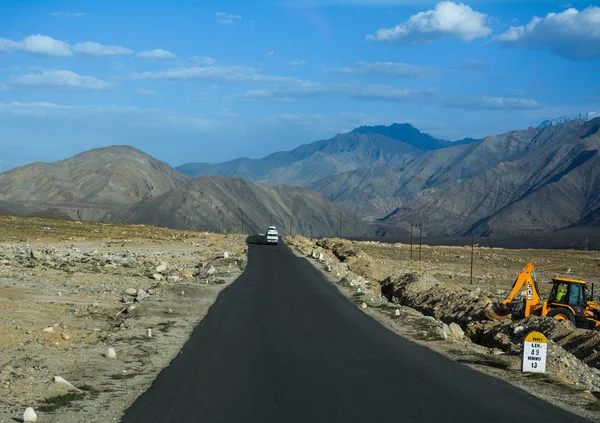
(214,80)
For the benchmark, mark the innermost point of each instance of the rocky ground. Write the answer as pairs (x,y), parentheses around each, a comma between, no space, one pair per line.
(433,301)
(72,293)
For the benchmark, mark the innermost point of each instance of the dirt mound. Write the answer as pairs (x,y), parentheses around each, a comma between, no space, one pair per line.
(445,301)
(347,252)
(509,336)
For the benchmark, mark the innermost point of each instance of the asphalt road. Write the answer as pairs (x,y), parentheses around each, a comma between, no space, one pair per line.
(281,344)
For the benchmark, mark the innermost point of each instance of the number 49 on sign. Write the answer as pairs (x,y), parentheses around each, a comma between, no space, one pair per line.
(534,353)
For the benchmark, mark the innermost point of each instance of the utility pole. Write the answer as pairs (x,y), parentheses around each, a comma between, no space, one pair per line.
(411,229)
(472,253)
(420,236)
(420,226)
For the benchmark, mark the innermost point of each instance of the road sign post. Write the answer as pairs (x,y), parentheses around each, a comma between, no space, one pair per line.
(535,347)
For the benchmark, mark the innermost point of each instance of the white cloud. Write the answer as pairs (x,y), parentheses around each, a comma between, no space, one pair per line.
(225,21)
(270,54)
(516,93)
(472,64)
(199,61)
(156,54)
(448,19)
(298,63)
(491,103)
(67,14)
(147,92)
(384,69)
(90,48)
(228,16)
(37,44)
(281,88)
(129,115)
(204,73)
(61,79)
(292,89)
(571,34)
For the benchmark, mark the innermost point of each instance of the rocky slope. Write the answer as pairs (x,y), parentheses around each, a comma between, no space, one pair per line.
(514,183)
(220,204)
(364,147)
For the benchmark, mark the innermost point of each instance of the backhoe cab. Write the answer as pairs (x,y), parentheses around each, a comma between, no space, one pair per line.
(568,300)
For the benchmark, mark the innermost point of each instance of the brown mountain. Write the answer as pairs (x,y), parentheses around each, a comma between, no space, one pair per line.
(220,204)
(88,184)
(514,183)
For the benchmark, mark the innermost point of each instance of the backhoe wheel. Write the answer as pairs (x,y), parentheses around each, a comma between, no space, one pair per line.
(562,313)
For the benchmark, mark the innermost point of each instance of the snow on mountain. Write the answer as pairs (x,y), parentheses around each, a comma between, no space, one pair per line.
(581,116)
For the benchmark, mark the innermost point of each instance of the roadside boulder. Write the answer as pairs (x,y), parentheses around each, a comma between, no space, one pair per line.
(131,291)
(29,416)
(455,331)
(36,255)
(58,379)
(141,295)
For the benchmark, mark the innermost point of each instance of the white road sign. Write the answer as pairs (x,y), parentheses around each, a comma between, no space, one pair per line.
(535,348)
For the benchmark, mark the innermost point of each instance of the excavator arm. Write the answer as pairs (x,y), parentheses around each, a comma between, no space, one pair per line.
(532,297)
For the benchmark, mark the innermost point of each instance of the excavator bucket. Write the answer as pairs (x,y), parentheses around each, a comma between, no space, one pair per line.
(499,311)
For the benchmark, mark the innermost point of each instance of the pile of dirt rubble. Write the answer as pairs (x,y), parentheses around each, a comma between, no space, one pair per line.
(458,313)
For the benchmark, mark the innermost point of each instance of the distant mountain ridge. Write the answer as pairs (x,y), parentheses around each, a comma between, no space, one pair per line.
(559,121)
(509,184)
(364,147)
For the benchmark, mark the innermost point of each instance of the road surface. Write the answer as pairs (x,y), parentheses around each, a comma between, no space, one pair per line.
(281,344)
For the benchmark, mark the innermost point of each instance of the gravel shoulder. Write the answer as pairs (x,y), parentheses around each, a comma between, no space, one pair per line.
(365,264)
(70,291)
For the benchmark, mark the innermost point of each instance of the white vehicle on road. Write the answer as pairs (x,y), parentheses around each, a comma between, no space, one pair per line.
(272,235)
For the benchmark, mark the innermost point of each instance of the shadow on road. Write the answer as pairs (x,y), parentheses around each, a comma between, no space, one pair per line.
(255,240)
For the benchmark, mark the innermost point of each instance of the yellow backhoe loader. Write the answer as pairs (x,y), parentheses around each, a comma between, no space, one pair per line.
(567,300)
